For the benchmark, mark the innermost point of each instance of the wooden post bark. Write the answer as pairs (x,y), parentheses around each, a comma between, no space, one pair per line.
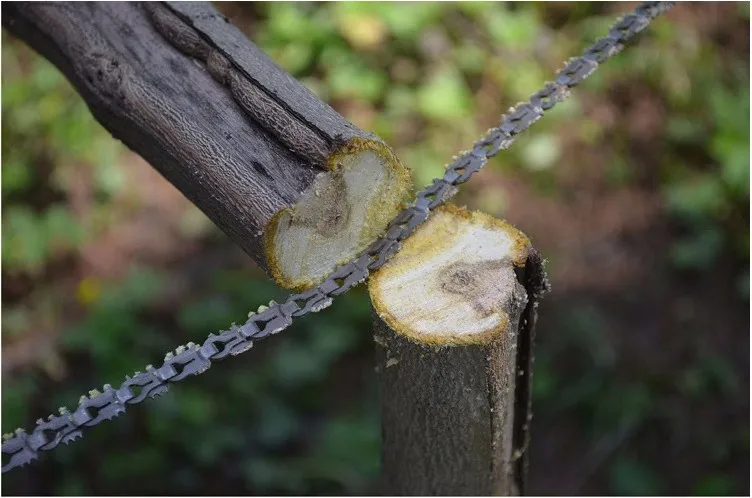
(454,313)
(292,182)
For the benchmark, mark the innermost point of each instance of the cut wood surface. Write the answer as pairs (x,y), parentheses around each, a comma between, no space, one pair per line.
(454,312)
(292,182)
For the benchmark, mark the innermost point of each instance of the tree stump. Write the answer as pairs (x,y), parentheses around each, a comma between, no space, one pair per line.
(454,313)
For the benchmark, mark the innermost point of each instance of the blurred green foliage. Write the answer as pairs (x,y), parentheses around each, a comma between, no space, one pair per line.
(47,132)
(299,413)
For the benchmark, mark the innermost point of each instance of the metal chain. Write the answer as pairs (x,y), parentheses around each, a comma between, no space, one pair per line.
(20,448)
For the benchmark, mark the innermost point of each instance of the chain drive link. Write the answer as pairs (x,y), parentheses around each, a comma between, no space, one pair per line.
(20,448)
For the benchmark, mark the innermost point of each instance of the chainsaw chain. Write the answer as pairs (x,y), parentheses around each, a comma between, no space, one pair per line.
(20,448)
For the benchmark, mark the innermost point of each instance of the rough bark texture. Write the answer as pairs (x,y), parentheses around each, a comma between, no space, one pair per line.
(534,279)
(279,87)
(181,86)
(455,415)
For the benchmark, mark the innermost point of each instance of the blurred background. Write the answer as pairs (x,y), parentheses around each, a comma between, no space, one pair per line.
(636,191)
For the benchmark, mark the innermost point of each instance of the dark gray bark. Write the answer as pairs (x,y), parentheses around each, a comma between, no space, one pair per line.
(321,119)
(455,419)
(533,278)
(235,133)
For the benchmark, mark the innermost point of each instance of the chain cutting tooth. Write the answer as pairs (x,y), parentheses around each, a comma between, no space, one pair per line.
(242,348)
(159,392)
(73,436)
(323,304)
(168,356)
(7,436)
(262,308)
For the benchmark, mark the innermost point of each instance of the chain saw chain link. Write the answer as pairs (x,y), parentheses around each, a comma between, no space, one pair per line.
(20,448)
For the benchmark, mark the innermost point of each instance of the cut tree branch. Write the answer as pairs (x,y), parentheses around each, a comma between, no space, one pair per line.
(292,182)
(454,313)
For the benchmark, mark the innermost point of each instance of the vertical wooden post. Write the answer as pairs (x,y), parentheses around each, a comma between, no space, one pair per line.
(454,314)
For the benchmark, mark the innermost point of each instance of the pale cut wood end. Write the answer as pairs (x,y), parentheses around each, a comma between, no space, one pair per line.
(344,210)
(453,281)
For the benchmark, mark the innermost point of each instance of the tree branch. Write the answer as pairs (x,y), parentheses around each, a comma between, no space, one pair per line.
(241,138)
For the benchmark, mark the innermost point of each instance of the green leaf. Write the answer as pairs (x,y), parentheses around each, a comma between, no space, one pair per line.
(17,175)
(685,129)
(515,29)
(734,156)
(407,19)
(353,79)
(288,22)
(294,57)
(63,230)
(470,58)
(541,152)
(445,97)
(24,240)
(425,162)
(697,197)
